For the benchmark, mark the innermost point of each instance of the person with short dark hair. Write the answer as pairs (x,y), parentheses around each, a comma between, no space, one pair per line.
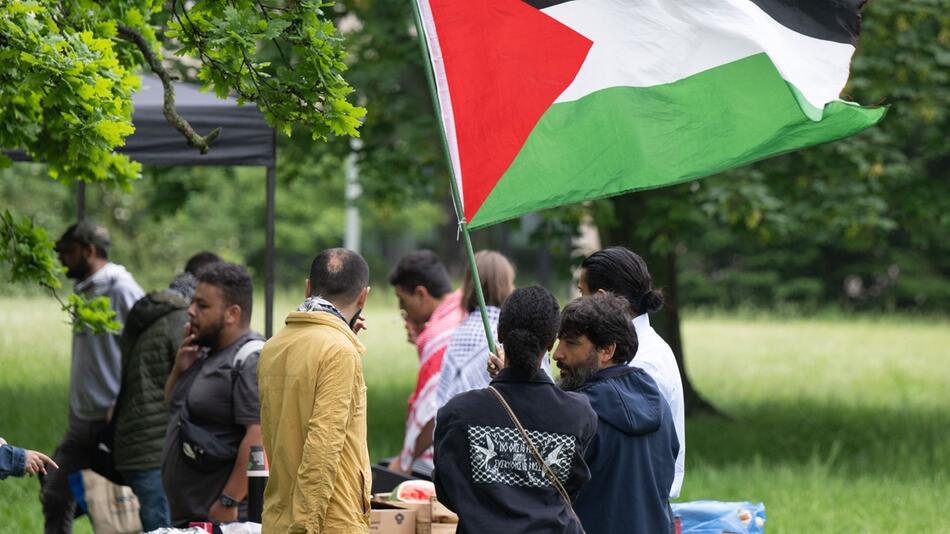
(632,458)
(484,469)
(96,367)
(149,342)
(622,272)
(421,268)
(199,261)
(431,310)
(313,405)
(591,319)
(212,391)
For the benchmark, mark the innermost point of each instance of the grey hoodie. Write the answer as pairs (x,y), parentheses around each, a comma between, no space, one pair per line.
(97,360)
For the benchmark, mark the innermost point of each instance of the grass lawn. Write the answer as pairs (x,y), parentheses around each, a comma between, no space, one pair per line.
(837,425)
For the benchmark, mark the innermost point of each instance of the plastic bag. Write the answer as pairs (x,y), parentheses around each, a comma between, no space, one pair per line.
(113,509)
(714,517)
(246,527)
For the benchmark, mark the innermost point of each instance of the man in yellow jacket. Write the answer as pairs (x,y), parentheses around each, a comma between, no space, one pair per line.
(313,406)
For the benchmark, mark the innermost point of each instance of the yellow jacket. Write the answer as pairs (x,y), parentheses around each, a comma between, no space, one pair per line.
(313,416)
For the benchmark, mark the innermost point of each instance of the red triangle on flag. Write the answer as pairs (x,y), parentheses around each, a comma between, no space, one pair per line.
(506,62)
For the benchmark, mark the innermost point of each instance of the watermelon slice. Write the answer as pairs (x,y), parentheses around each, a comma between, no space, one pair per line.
(413,491)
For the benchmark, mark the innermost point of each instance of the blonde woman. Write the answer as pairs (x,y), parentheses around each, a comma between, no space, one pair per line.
(463,367)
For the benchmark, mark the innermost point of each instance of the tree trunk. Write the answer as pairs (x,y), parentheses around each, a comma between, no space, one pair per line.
(667,324)
(663,268)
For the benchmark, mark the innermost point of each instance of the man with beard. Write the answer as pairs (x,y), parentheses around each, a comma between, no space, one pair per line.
(623,272)
(632,456)
(149,343)
(96,364)
(212,395)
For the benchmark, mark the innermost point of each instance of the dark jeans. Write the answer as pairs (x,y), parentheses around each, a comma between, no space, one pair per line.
(147,486)
(73,454)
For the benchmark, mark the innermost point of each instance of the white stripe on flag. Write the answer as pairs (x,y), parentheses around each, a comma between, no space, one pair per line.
(642,43)
(442,84)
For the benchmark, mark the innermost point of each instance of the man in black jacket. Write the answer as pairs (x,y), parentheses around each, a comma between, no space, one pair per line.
(149,342)
(633,455)
(484,470)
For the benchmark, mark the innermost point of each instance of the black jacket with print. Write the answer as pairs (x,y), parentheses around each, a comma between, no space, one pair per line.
(484,470)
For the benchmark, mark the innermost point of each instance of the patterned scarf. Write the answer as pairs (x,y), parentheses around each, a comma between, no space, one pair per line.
(319,304)
(431,344)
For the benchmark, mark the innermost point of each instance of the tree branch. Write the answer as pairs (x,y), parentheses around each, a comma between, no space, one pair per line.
(202,143)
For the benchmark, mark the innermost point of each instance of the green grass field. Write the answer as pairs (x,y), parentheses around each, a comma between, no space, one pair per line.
(837,425)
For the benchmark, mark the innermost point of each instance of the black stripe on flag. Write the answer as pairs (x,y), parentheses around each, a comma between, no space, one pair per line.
(830,20)
(541,4)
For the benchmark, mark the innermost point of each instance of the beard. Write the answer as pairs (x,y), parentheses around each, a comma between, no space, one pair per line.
(79,272)
(208,336)
(573,378)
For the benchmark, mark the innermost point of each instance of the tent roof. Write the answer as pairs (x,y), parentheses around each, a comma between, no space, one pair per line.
(246,139)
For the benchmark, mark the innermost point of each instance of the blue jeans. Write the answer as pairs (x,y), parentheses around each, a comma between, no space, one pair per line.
(147,486)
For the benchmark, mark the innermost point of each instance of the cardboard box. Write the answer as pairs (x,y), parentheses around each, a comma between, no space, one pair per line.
(442,516)
(430,518)
(387,519)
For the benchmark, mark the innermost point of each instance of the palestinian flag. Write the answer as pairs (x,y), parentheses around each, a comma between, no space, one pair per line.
(549,102)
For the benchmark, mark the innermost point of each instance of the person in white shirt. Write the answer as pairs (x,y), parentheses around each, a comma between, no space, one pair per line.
(622,272)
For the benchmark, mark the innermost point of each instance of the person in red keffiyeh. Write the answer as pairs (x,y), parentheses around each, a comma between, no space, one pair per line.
(432,312)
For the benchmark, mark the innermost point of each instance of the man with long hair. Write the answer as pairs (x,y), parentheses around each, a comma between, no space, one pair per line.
(622,272)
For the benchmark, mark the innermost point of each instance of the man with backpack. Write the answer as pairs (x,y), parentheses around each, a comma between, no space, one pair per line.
(212,395)
(149,342)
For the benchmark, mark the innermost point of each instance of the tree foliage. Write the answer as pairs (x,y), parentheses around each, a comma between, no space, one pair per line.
(29,253)
(401,157)
(70,72)
(303,85)
(66,90)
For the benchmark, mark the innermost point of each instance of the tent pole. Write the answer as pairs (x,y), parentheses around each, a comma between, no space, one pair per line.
(80,201)
(456,197)
(269,253)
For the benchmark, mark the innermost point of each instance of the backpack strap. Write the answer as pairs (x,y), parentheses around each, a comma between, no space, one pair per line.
(545,468)
(244,352)
(249,347)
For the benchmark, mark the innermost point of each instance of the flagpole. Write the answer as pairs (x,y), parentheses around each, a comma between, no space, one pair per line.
(456,198)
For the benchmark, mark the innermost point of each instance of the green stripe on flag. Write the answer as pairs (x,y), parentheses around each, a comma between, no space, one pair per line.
(623,139)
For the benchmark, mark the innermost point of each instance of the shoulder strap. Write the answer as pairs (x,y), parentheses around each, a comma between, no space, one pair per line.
(248,348)
(537,455)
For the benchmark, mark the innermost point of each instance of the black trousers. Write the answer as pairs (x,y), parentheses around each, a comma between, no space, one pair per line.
(74,453)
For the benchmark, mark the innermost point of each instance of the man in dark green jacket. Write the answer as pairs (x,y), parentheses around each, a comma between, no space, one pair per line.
(150,339)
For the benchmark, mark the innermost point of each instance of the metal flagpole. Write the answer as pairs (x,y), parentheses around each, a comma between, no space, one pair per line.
(456,199)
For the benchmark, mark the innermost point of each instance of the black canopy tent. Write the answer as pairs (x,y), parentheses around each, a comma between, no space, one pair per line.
(246,140)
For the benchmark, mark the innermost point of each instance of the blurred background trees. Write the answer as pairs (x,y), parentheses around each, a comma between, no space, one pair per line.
(858,225)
